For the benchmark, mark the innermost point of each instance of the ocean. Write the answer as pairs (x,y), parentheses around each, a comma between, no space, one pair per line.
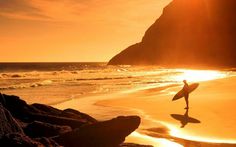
(56,82)
(52,83)
(82,85)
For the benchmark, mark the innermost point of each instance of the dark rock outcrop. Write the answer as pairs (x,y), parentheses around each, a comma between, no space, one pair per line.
(102,134)
(47,142)
(18,140)
(68,113)
(189,33)
(78,115)
(7,123)
(42,129)
(39,112)
(21,140)
(40,125)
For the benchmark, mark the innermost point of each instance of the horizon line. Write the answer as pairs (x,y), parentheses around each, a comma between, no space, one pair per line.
(56,62)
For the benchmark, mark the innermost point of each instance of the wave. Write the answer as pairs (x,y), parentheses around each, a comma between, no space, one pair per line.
(9,67)
(28,85)
(18,75)
(6,75)
(106,78)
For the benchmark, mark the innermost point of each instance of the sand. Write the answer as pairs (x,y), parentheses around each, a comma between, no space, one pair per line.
(212,108)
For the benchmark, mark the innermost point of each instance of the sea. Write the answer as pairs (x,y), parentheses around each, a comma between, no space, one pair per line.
(53,83)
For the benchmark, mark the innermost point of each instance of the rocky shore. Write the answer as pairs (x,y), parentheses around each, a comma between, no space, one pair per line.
(38,125)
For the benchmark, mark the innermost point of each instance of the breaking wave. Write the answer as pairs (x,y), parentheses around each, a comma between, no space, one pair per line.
(27,85)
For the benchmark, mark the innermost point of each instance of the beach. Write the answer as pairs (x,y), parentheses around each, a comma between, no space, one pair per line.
(212,104)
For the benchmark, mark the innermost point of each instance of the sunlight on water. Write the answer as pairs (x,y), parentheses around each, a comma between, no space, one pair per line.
(156,142)
(199,75)
(176,132)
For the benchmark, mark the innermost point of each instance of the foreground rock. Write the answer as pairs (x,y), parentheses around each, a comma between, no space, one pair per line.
(102,134)
(8,123)
(40,125)
(21,140)
(189,33)
(39,112)
(40,129)
(12,134)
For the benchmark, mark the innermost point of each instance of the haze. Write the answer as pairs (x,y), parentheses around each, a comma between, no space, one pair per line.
(72,30)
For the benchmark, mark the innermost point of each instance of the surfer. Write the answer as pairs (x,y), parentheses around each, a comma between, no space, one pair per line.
(186,93)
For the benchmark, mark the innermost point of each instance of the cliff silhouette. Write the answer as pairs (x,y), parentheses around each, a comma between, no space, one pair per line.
(194,33)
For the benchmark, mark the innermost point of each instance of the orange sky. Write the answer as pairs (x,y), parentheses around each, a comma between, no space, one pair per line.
(72,30)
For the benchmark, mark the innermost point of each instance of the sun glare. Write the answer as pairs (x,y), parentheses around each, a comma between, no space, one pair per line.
(156,142)
(199,75)
(176,132)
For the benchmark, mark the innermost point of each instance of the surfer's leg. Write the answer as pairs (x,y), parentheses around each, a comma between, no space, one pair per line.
(186,100)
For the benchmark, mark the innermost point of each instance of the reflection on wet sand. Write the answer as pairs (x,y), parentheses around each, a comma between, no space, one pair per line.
(185,119)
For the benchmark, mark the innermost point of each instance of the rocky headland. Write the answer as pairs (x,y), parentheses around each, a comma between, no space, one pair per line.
(189,33)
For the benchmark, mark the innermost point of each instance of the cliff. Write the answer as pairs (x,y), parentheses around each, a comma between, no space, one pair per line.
(192,33)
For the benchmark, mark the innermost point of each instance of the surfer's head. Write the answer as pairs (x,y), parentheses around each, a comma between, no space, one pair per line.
(184,81)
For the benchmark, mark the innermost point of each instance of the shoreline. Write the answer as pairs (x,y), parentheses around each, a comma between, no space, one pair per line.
(157,127)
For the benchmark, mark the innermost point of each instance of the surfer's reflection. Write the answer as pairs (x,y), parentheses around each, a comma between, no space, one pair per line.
(185,119)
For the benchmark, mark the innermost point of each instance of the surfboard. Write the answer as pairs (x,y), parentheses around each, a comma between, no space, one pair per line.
(180,94)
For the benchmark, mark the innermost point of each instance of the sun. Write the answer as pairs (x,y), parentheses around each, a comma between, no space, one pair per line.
(199,75)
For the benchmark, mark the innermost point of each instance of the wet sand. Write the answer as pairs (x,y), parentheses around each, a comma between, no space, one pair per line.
(211,117)
(212,104)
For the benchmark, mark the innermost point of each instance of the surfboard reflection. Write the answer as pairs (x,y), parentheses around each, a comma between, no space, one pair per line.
(185,119)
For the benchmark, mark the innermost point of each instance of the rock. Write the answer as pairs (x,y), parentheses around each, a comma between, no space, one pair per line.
(68,113)
(20,140)
(78,115)
(18,108)
(39,112)
(47,110)
(69,128)
(189,33)
(42,129)
(110,133)
(7,123)
(63,121)
(47,142)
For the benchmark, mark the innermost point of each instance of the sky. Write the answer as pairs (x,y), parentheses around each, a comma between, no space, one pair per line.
(72,30)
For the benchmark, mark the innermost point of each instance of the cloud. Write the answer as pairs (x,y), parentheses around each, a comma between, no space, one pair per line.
(93,11)
(46,10)
(20,9)
(16,5)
